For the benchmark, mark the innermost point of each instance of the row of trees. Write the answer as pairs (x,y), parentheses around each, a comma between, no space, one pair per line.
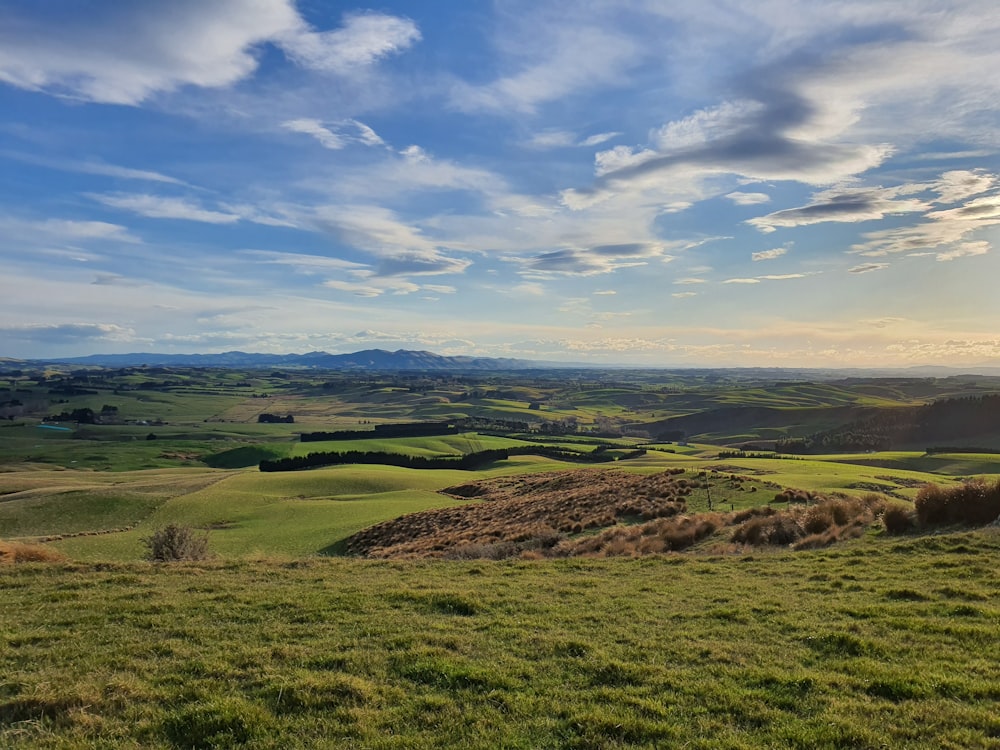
(469,462)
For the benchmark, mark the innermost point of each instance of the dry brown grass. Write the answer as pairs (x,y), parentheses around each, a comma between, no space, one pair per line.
(529,513)
(827,521)
(21,552)
(653,537)
(606,513)
(976,502)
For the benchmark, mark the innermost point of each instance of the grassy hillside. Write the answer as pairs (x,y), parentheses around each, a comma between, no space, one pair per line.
(876,644)
(308,512)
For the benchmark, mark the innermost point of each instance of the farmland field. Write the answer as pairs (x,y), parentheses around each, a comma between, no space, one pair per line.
(280,640)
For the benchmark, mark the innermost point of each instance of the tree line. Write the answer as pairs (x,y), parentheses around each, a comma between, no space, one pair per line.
(467,462)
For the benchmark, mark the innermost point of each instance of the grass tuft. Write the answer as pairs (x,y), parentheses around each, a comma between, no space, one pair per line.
(22,552)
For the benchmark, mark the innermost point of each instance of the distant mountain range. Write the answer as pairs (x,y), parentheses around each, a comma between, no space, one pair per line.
(370,359)
(380,360)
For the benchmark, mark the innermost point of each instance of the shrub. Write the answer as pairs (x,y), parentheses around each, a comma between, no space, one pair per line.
(174,542)
(898,519)
(818,519)
(779,529)
(974,502)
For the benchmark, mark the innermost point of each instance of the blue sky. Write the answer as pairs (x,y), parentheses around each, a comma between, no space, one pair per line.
(720,183)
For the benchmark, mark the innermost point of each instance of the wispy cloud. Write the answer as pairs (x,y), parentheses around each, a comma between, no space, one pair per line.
(748,199)
(68,333)
(965,250)
(331,138)
(160,207)
(91,167)
(363,39)
(569,58)
(844,205)
(547,139)
(867,267)
(769,254)
(310,126)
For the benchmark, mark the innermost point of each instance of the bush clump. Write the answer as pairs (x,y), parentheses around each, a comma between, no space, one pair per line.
(975,502)
(174,542)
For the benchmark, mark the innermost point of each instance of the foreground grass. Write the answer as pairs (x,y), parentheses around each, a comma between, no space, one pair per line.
(881,643)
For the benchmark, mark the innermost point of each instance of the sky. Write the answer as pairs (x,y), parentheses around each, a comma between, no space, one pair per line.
(773,183)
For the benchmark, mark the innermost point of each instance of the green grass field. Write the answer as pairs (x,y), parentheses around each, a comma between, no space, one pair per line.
(879,643)
(310,512)
(279,642)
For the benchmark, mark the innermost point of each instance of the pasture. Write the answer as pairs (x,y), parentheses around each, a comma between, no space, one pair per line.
(279,641)
(876,643)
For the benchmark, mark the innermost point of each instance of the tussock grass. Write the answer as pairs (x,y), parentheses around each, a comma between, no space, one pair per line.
(974,502)
(22,552)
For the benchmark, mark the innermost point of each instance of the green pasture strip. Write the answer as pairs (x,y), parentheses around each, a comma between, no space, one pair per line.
(879,643)
(293,513)
(949,464)
(38,503)
(105,455)
(815,473)
(72,512)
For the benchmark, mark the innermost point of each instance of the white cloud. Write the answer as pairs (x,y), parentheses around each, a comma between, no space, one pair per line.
(304,263)
(67,333)
(741,281)
(748,199)
(957,185)
(569,58)
(599,138)
(684,295)
(705,125)
(554,138)
(160,207)
(373,287)
(361,41)
(310,126)
(945,227)
(769,254)
(333,139)
(118,53)
(401,249)
(841,205)
(965,250)
(91,167)
(63,231)
(366,135)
